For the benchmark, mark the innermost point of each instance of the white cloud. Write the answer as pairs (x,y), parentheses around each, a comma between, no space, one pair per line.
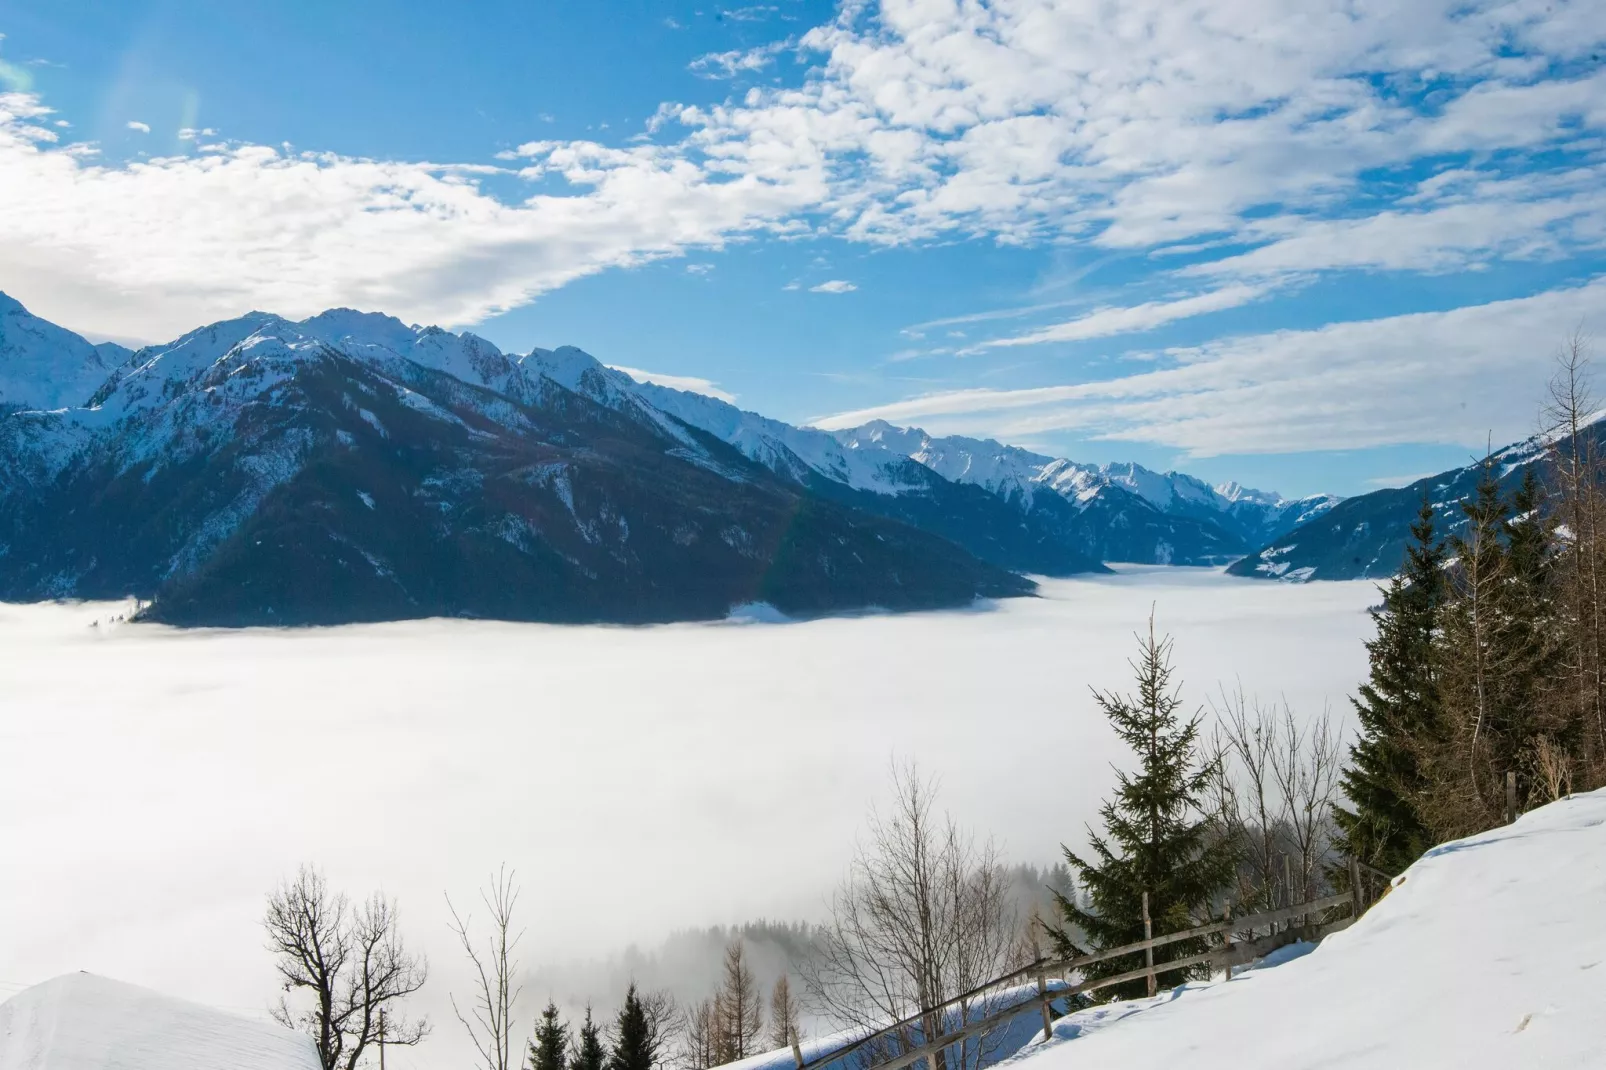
(135,124)
(738,61)
(1288,134)
(1104,322)
(1451,377)
(752,13)
(699,269)
(154,248)
(833,286)
(692,383)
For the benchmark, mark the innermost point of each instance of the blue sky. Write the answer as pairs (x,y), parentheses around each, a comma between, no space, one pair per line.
(1304,244)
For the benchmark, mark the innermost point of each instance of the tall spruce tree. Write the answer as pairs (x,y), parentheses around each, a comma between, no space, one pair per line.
(550,1048)
(588,1052)
(1474,660)
(1156,838)
(635,1041)
(1532,604)
(1398,708)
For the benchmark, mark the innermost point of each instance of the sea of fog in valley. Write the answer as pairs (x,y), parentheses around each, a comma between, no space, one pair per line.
(155,784)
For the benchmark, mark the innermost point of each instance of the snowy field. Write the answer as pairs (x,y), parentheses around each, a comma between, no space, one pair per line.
(155,784)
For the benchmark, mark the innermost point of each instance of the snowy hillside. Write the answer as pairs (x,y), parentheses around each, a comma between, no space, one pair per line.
(46,367)
(1488,954)
(1364,537)
(83,1022)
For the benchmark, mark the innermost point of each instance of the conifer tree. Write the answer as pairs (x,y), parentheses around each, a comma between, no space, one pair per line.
(636,1041)
(550,1048)
(588,1053)
(1475,664)
(1531,602)
(1397,707)
(1155,840)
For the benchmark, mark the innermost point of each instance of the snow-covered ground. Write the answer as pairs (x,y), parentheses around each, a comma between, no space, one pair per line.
(155,784)
(79,1021)
(1490,954)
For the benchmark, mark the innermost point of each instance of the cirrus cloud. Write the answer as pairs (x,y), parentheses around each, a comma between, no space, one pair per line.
(1457,376)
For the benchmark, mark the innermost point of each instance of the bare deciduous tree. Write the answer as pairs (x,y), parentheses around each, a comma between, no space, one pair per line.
(489,1020)
(922,917)
(349,963)
(700,1029)
(739,1016)
(784,1014)
(1306,766)
(1275,782)
(1579,473)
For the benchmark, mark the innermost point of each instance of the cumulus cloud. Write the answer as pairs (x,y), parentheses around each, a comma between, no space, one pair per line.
(833,286)
(152,248)
(692,383)
(135,124)
(1271,139)
(1441,377)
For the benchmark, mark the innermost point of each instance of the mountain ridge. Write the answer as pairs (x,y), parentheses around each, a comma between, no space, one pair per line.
(1365,537)
(211,471)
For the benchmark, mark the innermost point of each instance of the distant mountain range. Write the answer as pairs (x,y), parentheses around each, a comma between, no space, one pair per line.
(351,467)
(1365,537)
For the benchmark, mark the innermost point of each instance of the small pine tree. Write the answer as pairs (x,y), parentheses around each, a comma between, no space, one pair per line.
(588,1053)
(550,1048)
(1156,839)
(1398,708)
(635,1036)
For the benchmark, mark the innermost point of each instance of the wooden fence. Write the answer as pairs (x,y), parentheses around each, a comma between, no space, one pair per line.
(1224,956)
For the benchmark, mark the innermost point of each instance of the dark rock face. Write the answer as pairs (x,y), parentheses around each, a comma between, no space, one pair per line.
(299,484)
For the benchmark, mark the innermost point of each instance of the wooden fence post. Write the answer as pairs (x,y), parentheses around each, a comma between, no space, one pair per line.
(797,1050)
(1511,795)
(1357,896)
(1226,938)
(1042,995)
(1148,952)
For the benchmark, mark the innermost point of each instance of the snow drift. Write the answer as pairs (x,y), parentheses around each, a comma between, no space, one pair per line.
(1489,952)
(83,1022)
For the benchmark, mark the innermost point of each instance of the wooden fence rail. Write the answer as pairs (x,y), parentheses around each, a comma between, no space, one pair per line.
(1043,970)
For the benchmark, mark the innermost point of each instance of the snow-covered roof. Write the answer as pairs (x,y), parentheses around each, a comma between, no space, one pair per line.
(80,1021)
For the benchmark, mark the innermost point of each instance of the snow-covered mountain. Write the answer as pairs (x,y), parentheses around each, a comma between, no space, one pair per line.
(46,367)
(1365,537)
(1236,518)
(349,467)
(268,469)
